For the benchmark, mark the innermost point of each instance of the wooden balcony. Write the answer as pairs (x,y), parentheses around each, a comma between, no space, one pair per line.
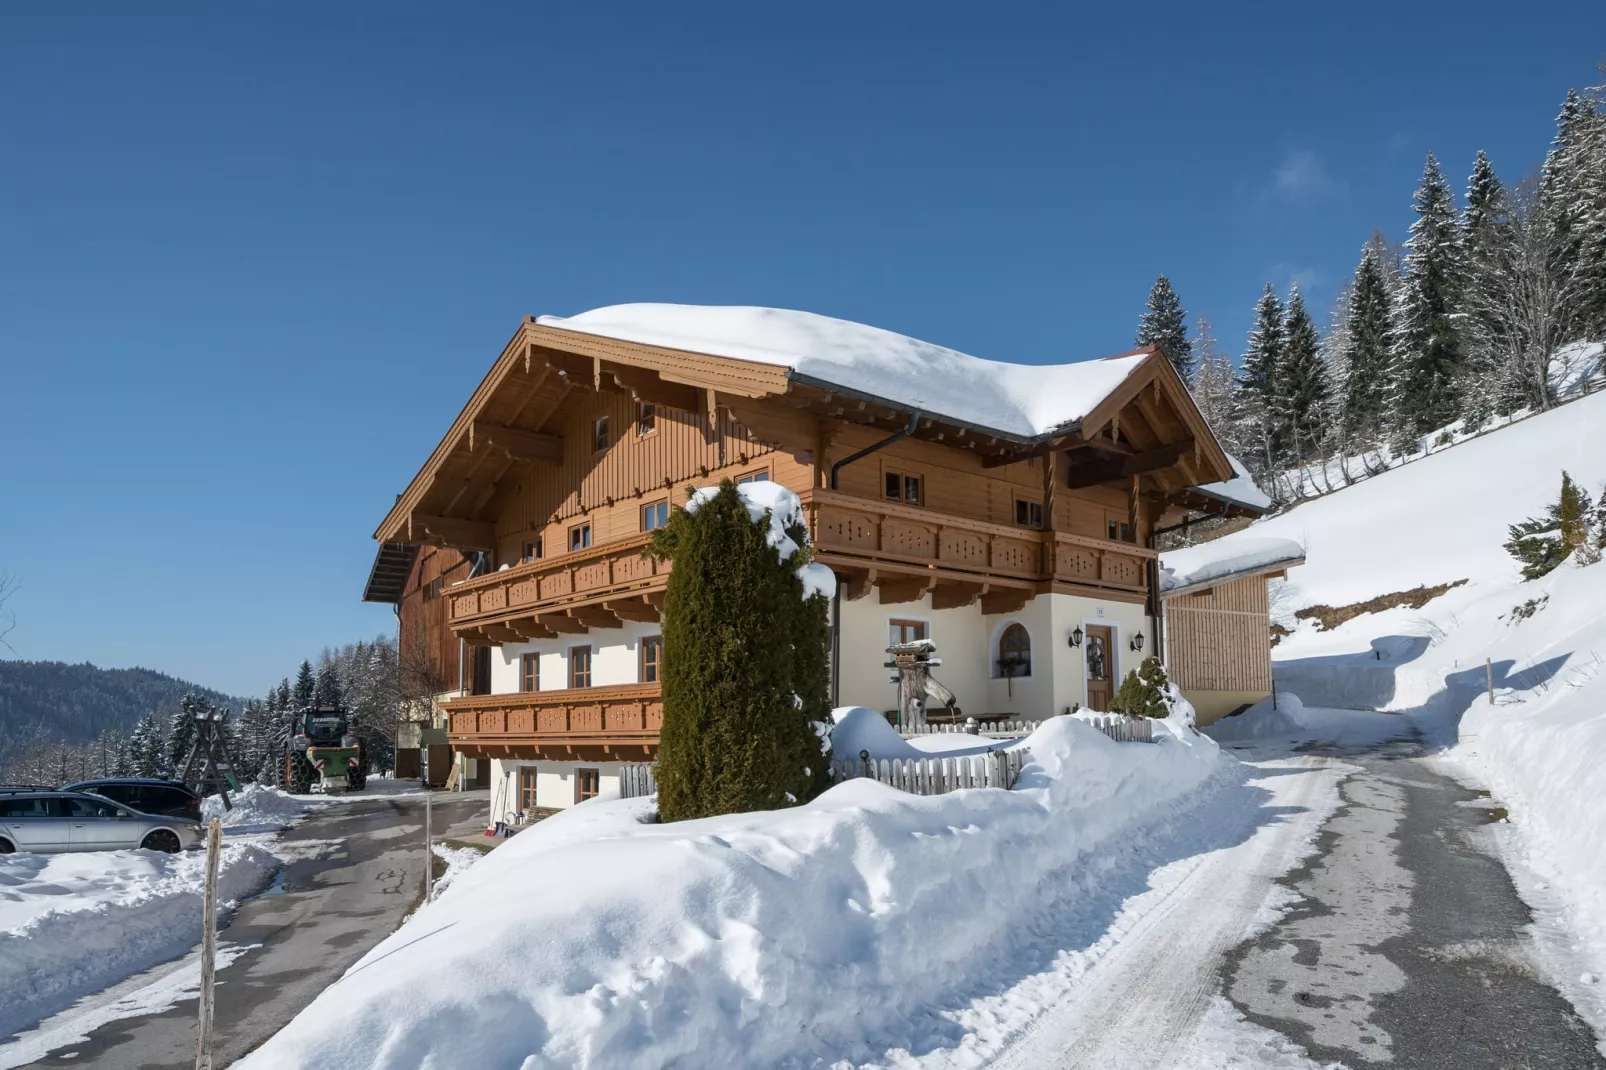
(598,724)
(906,551)
(593,588)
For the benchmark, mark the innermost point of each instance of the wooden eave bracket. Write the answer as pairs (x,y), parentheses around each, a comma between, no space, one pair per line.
(537,447)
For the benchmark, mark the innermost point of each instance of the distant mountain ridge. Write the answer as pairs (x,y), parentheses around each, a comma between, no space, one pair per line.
(52,700)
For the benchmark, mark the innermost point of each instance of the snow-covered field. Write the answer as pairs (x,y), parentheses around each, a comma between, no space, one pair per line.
(826,931)
(1541,746)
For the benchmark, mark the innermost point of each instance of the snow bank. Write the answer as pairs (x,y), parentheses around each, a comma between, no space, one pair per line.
(1017,399)
(457,860)
(598,939)
(73,923)
(858,729)
(257,808)
(1261,721)
(1208,562)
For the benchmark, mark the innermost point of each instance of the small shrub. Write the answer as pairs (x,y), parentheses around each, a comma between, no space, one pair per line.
(1543,543)
(1143,692)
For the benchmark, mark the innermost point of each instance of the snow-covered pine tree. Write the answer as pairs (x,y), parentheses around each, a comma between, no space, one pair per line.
(326,689)
(1542,543)
(1427,345)
(1572,193)
(181,733)
(305,687)
(1260,427)
(1488,385)
(145,751)
(1301,380)
(1215,388)
(1164,324)
(1365,352)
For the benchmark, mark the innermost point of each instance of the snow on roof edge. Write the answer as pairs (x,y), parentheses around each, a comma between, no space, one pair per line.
(1223,561)
(1241,489)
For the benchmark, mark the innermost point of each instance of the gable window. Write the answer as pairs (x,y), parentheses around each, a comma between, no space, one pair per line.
(579,537)
(1014,652)
(530,672)
(905,631)
(1028,514)
(587,782)
(655,516)
(652,658)
(904,487)
(646,419)
(1120,531)
(754,477)
(579,666)
(532,550)
(600,439)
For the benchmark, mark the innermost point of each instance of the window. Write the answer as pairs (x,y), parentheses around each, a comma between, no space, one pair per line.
(903,487)
(530,672)
(1028,514)
(1014,652)
(652,658)
(526,787)
(579,666)
(646,419)
(587,782)
(754,477)
(1120,531)
(579,537)
(90,808)
(532,550)
(655,516)
(432,590)
(905,631)
(480,684)
(600,439)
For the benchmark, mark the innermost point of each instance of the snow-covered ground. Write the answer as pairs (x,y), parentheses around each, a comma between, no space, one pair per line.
(826,931)
(1541,745)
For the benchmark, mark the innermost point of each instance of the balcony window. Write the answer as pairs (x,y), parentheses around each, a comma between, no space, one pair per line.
(579,537)
(1028,514)
(579,666)
(532,550)
(1120,531)
(600,438)
(587,782)
(652,658)
(754,477)
(530,672)
(655,516)
(904,487)
(646,419)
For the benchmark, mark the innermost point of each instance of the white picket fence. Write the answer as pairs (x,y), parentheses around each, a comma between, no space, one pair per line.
(635,780)
(972,727)
(937,776)
(1119,727)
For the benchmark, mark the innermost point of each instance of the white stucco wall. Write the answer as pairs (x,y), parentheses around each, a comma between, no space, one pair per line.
(554,783)
(615,658)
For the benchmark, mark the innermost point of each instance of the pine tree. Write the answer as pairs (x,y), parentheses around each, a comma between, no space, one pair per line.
(145,751)
(326,690)
(1215,389)
(1427,346)
(1260,424)
(1263,360)
(1485,234)
(739,640)
(1542,543)
(1163,325)
(1301,381)
(306,688)
(1365,349)
(181,733)
(1142,693)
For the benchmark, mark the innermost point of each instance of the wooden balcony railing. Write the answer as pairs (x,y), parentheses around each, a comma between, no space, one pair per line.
(849,530)
(584,723)
(570,593)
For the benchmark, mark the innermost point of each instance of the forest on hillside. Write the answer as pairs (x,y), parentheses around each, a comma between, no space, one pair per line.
(1460,327)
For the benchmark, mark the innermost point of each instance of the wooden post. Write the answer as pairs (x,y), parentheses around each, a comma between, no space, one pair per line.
(1488,675)
(203,1044)
(429,860)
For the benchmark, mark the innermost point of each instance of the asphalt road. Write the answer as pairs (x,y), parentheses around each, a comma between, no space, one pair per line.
(1407,946)
(357,871)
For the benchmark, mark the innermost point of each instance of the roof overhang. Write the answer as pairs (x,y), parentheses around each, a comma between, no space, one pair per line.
(387,579)
(1269,569)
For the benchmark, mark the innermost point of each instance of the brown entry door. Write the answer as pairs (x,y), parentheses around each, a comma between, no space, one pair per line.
(1099,651)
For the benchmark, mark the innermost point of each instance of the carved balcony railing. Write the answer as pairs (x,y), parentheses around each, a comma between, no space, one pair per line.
(595,587)
(618,723)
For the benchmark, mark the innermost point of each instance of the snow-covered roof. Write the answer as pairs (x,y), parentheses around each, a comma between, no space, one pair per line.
(1241,489)
(1022,400)
(1227,559)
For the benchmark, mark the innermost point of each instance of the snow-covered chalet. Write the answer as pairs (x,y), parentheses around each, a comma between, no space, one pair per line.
(1006,512)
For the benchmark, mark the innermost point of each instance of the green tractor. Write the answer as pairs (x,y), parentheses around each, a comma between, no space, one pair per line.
(322,751)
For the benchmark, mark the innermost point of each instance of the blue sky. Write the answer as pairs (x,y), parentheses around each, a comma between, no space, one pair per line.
(253,260)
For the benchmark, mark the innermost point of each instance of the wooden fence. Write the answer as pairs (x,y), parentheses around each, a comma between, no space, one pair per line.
(635,780)
(936,776)
(1117,726)
(972,727)
(1121,728)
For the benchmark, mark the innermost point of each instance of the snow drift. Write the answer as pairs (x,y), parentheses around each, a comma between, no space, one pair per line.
(598,938)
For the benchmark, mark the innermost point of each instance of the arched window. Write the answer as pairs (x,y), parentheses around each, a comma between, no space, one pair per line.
(1014,652)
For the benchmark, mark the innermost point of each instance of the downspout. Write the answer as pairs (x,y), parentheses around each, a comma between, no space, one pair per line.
(836,600)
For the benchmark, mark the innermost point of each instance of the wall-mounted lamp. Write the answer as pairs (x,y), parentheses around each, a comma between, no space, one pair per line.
(1076,637)
(1137,641)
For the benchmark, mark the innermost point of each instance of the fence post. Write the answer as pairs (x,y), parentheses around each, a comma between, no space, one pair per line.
(203,1044)
(429,861)
(1488,675)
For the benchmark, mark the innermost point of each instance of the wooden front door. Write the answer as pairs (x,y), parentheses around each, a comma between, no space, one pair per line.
(1099,651)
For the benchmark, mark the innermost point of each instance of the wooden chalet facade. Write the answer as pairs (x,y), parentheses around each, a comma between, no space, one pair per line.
(576,445)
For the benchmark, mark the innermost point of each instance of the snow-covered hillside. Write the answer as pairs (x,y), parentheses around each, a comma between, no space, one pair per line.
(1541,747)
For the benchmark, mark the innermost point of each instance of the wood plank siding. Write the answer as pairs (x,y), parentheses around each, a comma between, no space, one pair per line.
(1220,640)
(428,648)
(586,723)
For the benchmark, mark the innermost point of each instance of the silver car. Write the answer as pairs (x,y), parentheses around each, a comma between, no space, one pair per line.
(50,822)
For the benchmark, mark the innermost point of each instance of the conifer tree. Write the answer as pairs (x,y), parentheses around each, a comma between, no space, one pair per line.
(1163,324)
(1427,346)
(1215,388)
(145,751)
(1542,543)
(326,689)
(305,689)
(1365,349)
(744,666)
(1142,693)
(1301,382)
(1260,424)
(181,733)
(1485,234)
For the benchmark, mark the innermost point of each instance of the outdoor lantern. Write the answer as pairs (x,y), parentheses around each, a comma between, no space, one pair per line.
(1137,641)
(1076,636)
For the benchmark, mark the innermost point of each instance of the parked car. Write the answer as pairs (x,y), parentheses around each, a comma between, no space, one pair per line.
(148,795)
(53,822)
